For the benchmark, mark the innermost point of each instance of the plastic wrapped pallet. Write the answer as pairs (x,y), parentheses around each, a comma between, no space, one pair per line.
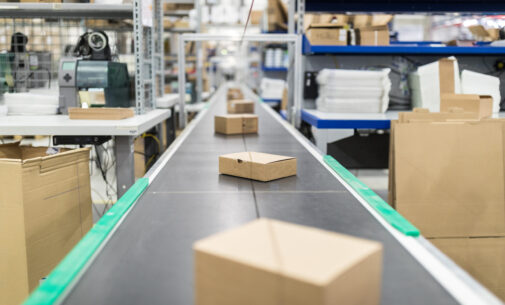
(353,91)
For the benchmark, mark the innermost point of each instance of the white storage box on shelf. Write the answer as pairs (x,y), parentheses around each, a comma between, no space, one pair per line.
(32,103)
(353,91)
(272,89)
(425,85)
(482,84)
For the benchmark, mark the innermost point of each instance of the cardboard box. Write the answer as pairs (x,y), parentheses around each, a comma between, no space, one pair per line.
(335,19)
(327,34)
(483,34)
(448,176)
(361,20)
(236,124)
(480,105)
(256,17)
(45,209)
(240,106)
(235,94)
(373,36)
(257,166)
(277,15)
(139,159)
(270,262)
(100,113)
(483,258)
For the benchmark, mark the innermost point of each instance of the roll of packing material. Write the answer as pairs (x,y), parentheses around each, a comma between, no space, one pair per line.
(482,84)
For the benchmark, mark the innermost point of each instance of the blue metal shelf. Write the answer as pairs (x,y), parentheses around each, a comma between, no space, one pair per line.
(379,123)
(403,49)
(475,6)
(284,114)
(274,69)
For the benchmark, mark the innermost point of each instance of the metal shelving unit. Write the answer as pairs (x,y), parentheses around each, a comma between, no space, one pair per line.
(65,10)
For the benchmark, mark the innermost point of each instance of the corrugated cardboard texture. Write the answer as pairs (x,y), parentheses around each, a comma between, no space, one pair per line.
(449,177)
(271,262)
(257,166)
(480,105)
(446,74)
(235,94)
(483,258)
(236,124)
(327,34)
(100,113)
(240,106)
(43,215)
(373,36)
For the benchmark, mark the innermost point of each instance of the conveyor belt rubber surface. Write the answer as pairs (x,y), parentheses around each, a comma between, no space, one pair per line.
(149,259)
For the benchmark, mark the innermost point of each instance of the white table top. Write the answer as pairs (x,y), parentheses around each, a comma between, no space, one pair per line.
(61,125)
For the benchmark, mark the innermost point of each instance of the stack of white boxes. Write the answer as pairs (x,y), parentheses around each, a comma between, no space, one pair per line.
(353,91)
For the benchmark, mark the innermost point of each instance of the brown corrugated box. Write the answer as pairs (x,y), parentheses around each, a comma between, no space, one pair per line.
(44,213)
(270,262)
(257,166)
(100,113)
(373,35)
(480,105)
(336,19)
(277,15)
(481,33)
(240,106)
(236,124)
(327,34)
(234,94)
(483,258)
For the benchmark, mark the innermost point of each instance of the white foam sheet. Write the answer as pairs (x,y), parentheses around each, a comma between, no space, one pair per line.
(272,88)
(482,84)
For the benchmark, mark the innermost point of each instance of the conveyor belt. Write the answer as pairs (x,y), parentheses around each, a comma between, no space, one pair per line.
(149,258)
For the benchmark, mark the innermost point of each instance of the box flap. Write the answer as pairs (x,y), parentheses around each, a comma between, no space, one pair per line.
(257,157)
(300,252)
(325,26)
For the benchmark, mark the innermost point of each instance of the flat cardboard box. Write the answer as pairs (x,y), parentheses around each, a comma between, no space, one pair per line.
(483,258)
(100,113)
(327,34)
(45,209)
(336,19)
(257,166)
(361,20)
(240,106)
(373,36)
(439,170)
(236,124)
(271,262)
(480,105)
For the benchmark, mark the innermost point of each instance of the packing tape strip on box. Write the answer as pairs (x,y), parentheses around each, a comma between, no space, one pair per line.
(389,214)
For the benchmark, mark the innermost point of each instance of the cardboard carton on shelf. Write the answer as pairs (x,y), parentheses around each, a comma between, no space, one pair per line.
(480,105)
(483,258)
(240,106)
(336,19)
(271,262)
(236,124)
(373,35)
(327,34)
(44,213)
(277,15)
(257,166)
(483,34)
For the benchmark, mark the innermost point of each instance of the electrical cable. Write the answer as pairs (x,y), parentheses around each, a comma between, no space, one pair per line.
(247,21)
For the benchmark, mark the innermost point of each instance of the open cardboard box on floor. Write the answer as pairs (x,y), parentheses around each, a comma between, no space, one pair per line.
(270,262)
(257,166)
(45,209)
(240,106)
(236,124)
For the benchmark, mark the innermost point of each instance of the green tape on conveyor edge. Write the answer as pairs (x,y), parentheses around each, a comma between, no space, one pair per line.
(207,105)
(60,278)
(385,210)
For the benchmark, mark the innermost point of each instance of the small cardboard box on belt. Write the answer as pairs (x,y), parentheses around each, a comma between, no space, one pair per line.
(257,166)
(236,124)
(234,94)
(45,209)
(240,106)
(271,262)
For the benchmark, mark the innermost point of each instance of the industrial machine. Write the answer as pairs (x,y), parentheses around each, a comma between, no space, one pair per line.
(92,67)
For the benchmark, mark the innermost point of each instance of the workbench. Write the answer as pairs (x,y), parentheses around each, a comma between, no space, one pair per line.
(124,132)
(140,252)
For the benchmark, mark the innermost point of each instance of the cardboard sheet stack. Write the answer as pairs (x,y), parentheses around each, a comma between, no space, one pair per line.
(433,80)
(353,91)
(447,176)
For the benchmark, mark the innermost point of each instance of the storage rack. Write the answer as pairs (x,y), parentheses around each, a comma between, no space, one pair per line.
(312,54)
(148,52)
